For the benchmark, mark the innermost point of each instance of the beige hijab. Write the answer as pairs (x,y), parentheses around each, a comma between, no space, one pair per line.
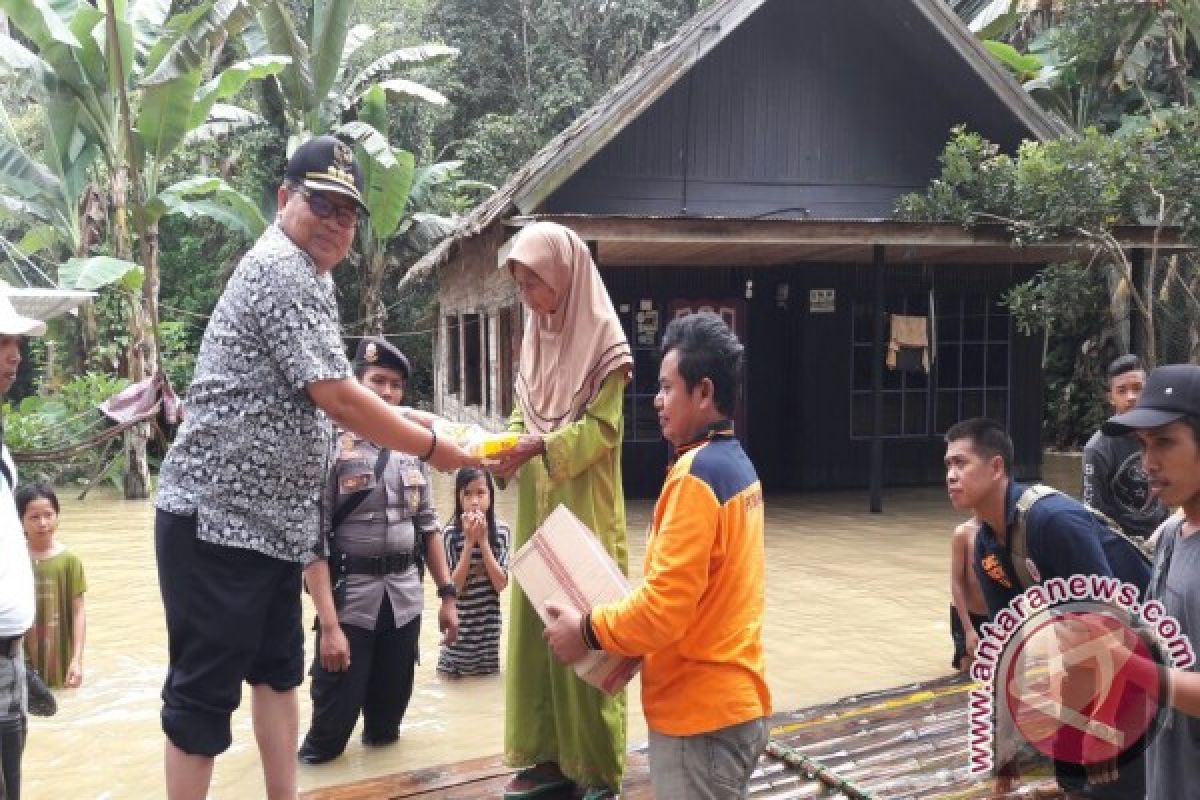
(565,356)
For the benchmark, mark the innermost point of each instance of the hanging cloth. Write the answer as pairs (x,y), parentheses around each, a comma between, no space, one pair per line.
(908,348)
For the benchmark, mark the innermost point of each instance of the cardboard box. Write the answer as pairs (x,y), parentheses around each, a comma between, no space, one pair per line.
(563,562)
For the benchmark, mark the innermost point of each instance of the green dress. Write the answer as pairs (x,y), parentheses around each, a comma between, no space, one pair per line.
(550,714)
(58,580)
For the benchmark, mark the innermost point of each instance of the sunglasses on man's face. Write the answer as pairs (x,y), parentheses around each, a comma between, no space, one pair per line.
(321,206)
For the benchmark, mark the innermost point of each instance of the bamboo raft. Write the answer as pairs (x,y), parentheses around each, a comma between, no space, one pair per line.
(906,742)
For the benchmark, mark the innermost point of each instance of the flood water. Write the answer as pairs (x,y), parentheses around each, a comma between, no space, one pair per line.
(855,602)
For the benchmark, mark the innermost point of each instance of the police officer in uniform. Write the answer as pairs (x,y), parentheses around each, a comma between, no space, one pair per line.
(379,534)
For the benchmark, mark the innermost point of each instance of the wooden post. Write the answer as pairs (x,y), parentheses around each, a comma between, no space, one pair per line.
(1137,320)
(877,385)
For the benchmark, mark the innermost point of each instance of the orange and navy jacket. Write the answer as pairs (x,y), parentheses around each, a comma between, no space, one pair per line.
(697,617)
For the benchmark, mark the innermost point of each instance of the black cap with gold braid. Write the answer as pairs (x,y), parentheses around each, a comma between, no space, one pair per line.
(375,351)
(326,164)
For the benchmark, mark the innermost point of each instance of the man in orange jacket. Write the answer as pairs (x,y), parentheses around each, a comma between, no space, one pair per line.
(697,617)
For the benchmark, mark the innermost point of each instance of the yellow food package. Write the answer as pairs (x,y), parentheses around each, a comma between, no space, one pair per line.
(494,444)
(475,440)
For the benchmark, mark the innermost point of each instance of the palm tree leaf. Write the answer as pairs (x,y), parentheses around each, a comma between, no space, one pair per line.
(16,59)
(50,33)
(151,13)
(94,272)
(40,23)
(83,25)
(423,54)
(428,179)
(230,82)
(70,148)
(387,176)
(194,38)
(224,121)
(23,207)
(355,38)
(171,31)
(38,238)
(165,113)
(331,23)
(373,109)
(207,196)
(276,21)
(405,89)
(21,174)
(427,230)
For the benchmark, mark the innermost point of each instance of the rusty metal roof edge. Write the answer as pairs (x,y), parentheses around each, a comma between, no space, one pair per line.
(520,220)
(1131,235)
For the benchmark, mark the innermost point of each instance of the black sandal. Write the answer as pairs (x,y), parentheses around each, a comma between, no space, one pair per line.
(539,783)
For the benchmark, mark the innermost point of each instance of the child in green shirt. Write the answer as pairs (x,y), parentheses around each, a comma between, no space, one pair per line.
(54,646)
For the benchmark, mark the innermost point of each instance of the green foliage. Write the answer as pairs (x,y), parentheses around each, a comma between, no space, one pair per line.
(65,417)
(1024,66)
(1075,359)
(193,272)
(1049,189)
(1114,65)
(528,68)
(1081,188)
(179,354)
(98,271)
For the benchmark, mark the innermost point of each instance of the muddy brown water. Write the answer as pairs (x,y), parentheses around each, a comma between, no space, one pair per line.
(855,602)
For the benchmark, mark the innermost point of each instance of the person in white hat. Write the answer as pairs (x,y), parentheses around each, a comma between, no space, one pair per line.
(16,574)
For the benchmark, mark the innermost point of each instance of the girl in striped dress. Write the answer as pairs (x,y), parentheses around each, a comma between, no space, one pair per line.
(477,550)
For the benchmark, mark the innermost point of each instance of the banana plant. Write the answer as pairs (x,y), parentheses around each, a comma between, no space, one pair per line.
(50,197)
(132,82)
(320,92)
(398,194)
(318,88)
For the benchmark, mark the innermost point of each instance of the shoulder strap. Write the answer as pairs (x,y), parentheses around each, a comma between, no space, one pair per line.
(1140,546)
(1018,546)
(353,501)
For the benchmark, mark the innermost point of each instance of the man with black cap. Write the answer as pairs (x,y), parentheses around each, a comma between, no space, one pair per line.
(1166,421)
(16,573)
(239,492)
(380,531)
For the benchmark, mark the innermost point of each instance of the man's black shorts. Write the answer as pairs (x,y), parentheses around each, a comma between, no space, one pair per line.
(233,615)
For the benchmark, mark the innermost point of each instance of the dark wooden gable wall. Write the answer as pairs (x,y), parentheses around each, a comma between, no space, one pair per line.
(810,108)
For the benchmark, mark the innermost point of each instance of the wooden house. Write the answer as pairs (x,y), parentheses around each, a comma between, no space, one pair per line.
(751,166)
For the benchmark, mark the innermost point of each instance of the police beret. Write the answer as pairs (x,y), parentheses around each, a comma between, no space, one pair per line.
(375,351)
(326,164)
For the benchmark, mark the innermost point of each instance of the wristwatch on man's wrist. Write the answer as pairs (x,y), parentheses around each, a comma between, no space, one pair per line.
(447,590)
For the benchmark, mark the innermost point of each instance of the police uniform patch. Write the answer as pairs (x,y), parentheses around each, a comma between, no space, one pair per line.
(353,483)
(371,353)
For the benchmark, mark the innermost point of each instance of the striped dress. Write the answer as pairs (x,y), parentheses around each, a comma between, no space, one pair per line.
(477,650)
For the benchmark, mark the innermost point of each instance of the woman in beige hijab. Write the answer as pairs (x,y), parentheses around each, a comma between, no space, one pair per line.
(570,387)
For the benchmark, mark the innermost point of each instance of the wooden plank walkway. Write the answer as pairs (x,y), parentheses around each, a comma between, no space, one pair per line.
(906,742)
